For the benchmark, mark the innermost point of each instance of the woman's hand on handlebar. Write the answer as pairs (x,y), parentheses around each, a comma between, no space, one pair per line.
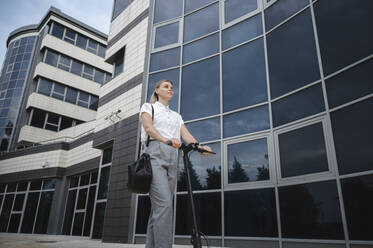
(207,148)
(176,143)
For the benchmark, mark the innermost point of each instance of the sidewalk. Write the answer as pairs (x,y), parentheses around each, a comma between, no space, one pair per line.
(10,240)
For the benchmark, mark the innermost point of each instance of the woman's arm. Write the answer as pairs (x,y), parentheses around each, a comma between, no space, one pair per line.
(147,123)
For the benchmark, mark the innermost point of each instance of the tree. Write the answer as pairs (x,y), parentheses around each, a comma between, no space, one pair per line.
(213,178)
(263,172)
(182,184)
(237,174)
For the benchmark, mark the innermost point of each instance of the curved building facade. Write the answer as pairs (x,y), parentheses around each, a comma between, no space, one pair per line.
(282,92)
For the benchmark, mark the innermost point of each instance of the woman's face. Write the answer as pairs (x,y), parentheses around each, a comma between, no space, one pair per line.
(165,91)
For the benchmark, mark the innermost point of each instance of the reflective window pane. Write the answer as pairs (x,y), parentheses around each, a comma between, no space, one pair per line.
(343,34)
(101,51)
(18,202)
(51,58)
(244,80)
(5,212)
(353,136)
(250,213)
(57,30)
(315,214)
(200,89)
(65,123)
(49,184)
(104,183)
(76,67)
(71,95)
(248,161)
(165,59)
(354,83)
(107,155)
(201,48)
(38,119)
(209,16)
(69,211)
(14,222)
(99,220)
(41,224)
(99,76)
(94,103)
(78,224)
(70,36)
(191,5)
(92,46)
(358,201)
(204,171)
(173,76)
(205,130)
(45,87)
(89,210)
(281,10)
(292,58)
(208,216)
(143,212)
(303,151)
(237,8)
(247,121)
(30,212)
(304,103)
(165,9)
(242,31)
(119,7)
(81,41)
(167,34)
(82,197)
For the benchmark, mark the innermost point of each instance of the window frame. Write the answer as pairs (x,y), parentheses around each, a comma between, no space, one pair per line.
(251,184)
(331,158)
(260,6)
(173,45)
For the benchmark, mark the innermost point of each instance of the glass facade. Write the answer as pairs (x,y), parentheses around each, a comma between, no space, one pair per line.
(12,83)
(282,91)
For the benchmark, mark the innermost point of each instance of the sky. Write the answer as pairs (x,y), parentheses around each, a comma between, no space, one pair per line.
(18,13)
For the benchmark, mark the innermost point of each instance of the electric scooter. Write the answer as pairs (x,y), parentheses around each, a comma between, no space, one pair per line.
(196,237)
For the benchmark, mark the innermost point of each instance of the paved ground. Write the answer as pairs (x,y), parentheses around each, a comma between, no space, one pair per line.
(9,240)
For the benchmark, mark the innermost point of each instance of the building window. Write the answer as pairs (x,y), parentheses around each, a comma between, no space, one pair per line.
(118,63)
(119,7)
(51,121)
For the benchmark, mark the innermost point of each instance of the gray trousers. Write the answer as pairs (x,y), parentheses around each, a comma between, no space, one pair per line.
(164,165)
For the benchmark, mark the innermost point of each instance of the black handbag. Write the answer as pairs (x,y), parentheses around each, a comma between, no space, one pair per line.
(140,172)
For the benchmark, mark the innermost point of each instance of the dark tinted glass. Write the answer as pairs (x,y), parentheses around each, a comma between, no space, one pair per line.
(305,217)
(118,63)
(35,185)
(64,63)
(303,151)
(49,184)
(354,83)
(358,201)
(11,187)
(237,8)
(42,218)
(304,103)
(57,30)
(99,76)
(78,224)
(74,181)
(53,118)
(71,95)
(70,36)
(92,46)
(14,222)
(58,91)
(167,34)
(173,76)
(204,171)
(5,212)
(81,41)
(94,103)
(165,59)
(250,213)
(2,188)
(99,220)
(45,87)
(69,211)
(165,9)
(38,118)
(200,89)
(101,52)
(353,136)
(107,155)
(201,48)
(22,186)
(120,6)
(30,212)
(51,58)
(244,80)
(76,67)
(248,161)
(94,177)
(281,10)
(89,210)
(84,180)
(205,130)
(143,212)
(82,198)
(104,183)
(292,59)
(208,211)
(18,202)
(242,31)
(246,121)
(343,34)
(66,122)
(195,4)
(209,16)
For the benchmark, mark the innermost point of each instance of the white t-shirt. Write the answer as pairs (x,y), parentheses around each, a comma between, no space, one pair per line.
(166,121)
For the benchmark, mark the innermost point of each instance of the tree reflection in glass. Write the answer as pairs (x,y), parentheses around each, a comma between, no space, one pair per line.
(205,171)
(248,161)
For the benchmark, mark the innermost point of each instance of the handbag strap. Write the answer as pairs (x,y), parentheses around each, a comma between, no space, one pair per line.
(148,140)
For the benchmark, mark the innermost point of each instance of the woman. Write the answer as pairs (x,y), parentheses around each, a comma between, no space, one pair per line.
(164,131)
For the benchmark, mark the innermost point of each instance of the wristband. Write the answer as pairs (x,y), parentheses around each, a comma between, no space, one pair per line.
(169,142)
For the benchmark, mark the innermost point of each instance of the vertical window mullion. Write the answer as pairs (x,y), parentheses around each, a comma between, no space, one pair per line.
(37,210)
(46,119)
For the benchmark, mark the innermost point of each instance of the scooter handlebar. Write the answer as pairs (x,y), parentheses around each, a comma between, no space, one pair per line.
(194,146)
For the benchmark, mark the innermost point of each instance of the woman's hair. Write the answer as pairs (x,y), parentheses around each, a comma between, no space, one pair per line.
(154,96)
